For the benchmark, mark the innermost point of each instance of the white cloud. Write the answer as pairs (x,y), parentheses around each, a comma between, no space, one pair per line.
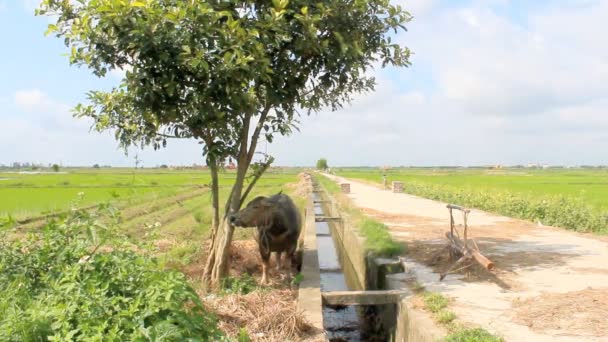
(31,99)
(484,87)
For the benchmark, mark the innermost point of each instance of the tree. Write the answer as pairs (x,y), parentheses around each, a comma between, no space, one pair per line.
(322,164)
(55,167)
(224,73)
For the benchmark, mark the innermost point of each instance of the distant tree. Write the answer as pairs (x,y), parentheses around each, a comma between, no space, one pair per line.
(224,73)
(55,167)
(322,164)
(96,166)
(164,166)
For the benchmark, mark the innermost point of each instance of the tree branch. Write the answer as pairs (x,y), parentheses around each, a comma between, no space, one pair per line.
(257,176)
(256,133)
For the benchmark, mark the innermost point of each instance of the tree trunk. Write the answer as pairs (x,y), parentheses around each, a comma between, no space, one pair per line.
(221,250)
(215,193)
(225,232)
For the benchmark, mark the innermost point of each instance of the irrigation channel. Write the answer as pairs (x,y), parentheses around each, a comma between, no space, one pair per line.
(337,273)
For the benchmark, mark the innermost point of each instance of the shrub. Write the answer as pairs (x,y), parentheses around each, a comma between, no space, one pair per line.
(57,285)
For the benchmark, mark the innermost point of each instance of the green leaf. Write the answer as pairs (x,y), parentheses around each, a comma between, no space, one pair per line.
(138,4)
(50,29)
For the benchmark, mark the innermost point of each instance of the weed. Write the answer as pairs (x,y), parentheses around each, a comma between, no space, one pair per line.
(445,316)
(435,302)
(241,285)
(472,335)
(243,336)
(297,279)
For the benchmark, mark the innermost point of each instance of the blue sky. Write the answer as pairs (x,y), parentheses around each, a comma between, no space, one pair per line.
(494,81)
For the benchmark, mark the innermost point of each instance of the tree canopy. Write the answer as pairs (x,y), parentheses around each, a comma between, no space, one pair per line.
(322,164)
(224,72)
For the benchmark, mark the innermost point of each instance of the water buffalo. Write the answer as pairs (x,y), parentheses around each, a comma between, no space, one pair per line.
(278,223)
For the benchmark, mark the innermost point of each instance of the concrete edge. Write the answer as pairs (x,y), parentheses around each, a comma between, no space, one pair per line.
(413,325)
(309,294)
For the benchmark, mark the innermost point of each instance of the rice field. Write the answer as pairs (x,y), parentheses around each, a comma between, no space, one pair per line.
(590,185)
(572,199)
(25,195)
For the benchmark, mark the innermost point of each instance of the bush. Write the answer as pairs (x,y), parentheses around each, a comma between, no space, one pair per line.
(57,285)
(55,167)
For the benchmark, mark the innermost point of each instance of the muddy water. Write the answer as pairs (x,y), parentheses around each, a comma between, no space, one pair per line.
(343,323)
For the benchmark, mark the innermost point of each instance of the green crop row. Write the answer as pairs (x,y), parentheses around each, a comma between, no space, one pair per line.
(567,212)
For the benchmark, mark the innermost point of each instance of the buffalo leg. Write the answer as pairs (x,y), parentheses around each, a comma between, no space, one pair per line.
(265,254)
(278,259)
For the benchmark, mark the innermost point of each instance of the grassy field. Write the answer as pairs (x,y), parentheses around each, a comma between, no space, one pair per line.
(574,199)
(27,195)
(589,185)
(61,278)
(170,207)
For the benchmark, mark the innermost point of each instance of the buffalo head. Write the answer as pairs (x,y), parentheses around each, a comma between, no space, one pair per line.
(255,214)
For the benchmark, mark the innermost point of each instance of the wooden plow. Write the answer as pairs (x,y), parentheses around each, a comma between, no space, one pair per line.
(465,248)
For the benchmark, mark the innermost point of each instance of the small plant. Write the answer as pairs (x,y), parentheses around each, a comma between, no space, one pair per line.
(435,302)
(297,279)
(445,316)
(243,336)
(472,335)
(242,285)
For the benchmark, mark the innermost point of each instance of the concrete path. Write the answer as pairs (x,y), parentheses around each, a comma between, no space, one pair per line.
(550,284)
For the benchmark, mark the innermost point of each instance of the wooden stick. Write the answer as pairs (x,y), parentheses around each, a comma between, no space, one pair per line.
(482,260)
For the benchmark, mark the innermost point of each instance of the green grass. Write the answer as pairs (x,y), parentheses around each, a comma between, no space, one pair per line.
(590,185)
(549,195)
(378,240)
(472,335)
(27,195)
(435,302)
(445,316)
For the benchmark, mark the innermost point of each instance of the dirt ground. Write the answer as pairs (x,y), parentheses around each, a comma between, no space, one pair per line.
(548,284)
(269,314)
